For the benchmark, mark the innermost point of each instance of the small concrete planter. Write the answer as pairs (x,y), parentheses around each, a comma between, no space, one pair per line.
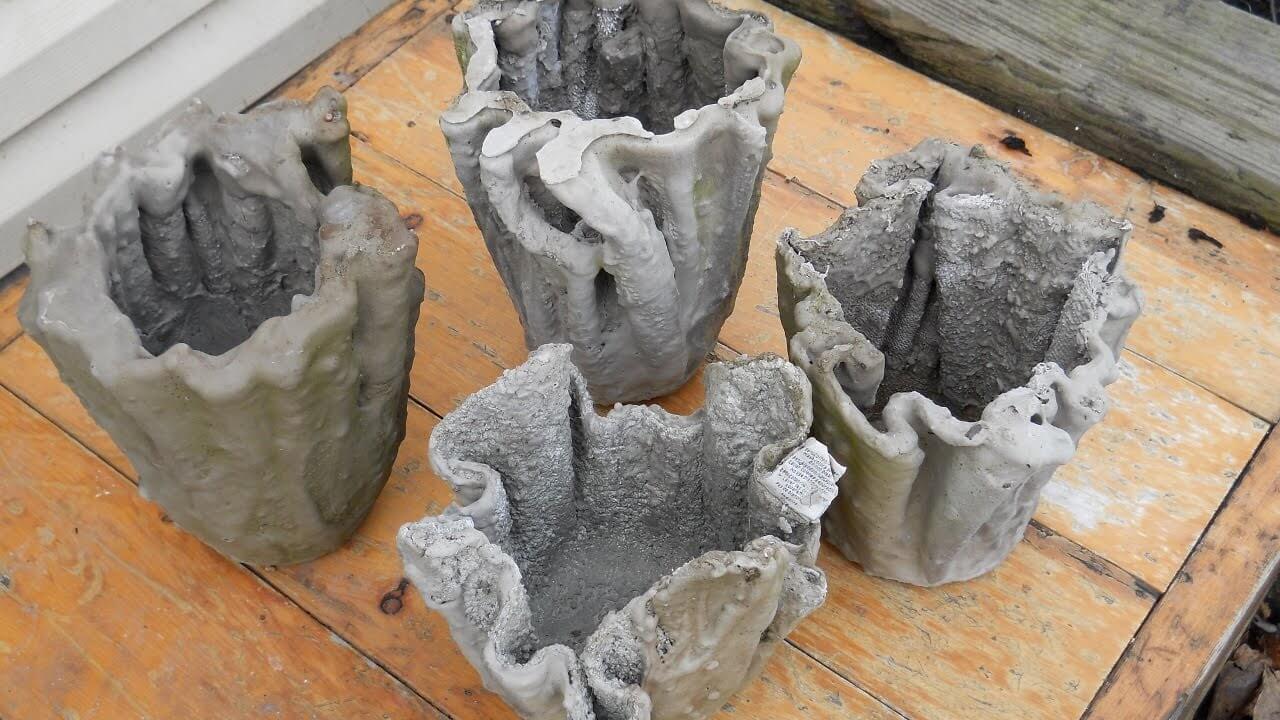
(626,243)
(958,329)
(240,319)
(634,565)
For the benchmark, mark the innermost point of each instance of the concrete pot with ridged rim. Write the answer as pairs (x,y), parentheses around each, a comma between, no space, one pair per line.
(612,154)
(959,330)
(239,318)
(631,566)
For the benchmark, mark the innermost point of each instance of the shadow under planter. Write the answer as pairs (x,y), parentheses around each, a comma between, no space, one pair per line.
(239,318)
(634,565)
(958,329)
(612,155)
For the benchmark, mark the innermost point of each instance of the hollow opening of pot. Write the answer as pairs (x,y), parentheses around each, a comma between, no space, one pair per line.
(218,265)
(979,295)
(612,62)
(643,504)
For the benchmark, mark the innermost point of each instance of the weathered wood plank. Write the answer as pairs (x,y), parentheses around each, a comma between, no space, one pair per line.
(1032,640)
(348,61)
(1147,480)
(11,288)
(1188,91)
(107,611)
(1193,626)
(28,373)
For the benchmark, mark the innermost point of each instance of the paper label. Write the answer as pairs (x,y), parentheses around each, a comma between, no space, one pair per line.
(805,480)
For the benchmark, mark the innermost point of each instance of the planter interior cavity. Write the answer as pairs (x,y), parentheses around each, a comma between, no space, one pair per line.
(219,249)
(646,59)
(240,318)
(958,328)
(627,244)
(629,550)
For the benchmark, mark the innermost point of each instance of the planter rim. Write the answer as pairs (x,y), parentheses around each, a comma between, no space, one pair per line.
(1003,417)
(72,302)
(459,559)
(753,105)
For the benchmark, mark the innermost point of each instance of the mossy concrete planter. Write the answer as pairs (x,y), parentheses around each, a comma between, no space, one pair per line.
(612,155)
(240,319)
(958,329)
(634,565)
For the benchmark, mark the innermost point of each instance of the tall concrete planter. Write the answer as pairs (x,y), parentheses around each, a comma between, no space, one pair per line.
(240,319)
(612,154)
(958,329)
(629,566)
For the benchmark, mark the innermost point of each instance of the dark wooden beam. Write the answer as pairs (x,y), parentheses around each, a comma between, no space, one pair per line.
(1187,91)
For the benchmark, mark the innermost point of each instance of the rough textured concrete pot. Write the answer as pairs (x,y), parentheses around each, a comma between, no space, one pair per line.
(630,566)
(240,319)
(627,244)
(958,329)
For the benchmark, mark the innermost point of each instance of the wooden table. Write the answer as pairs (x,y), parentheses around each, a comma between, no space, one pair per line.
(1145,557)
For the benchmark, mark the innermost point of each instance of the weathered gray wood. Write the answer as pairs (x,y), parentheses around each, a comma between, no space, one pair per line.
(1185,90)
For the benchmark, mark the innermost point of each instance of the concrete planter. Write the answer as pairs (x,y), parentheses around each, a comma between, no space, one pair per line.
(612,155)
(634,565)
(958,329)
(240,319)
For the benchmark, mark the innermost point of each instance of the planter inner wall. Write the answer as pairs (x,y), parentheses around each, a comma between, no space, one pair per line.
(642,493)
(982,287)
(572,55)
(209,271)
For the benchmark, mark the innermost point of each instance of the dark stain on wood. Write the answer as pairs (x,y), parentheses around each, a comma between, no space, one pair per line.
(1198,235)
(393,601)
(412,220)
(1015,143)
(1253,220)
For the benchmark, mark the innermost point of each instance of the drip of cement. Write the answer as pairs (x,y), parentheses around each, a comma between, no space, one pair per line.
(239,318)
(633,565)
(612,153)
(958,329)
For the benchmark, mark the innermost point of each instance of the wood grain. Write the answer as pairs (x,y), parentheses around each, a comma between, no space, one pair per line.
(28,373)
(1146,481)
(106,611)
(1193,627)
(1187,91)
(348,61)
(11,288)
(1031,640)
